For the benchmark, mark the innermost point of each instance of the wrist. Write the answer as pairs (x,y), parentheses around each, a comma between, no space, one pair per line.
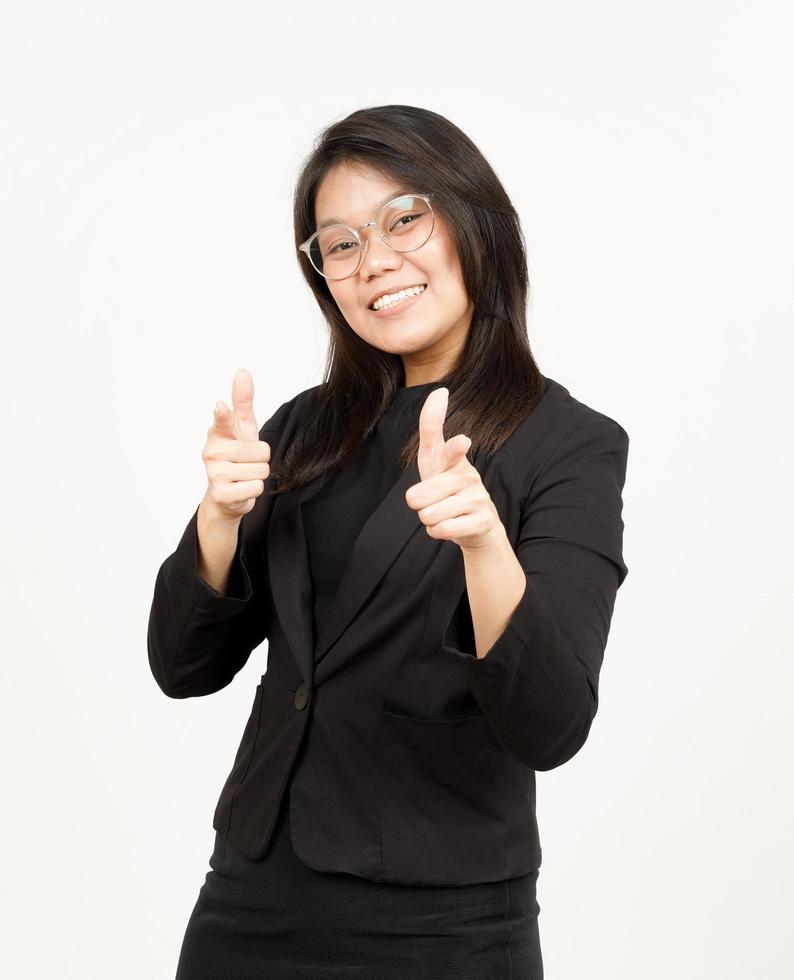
(211,516)
(493,542)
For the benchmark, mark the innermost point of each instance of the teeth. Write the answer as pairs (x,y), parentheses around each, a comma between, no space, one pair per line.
(391,299)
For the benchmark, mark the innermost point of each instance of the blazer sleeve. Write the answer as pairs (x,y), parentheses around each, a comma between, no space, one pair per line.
(538,683)
(199,638)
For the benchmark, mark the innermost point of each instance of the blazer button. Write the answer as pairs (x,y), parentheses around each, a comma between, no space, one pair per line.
(301,696)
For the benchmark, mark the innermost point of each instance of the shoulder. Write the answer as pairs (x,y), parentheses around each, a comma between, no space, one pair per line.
(563,413)
(292,413)
(562,432)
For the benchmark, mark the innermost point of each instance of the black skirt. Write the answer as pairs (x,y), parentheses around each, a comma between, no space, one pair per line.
(277,919)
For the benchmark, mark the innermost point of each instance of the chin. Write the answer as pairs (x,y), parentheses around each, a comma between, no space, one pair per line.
(406,337)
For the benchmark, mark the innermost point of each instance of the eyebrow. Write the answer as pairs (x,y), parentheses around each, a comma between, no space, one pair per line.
(341,221)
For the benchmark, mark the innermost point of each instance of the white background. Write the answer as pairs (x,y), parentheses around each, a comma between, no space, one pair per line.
(147,162)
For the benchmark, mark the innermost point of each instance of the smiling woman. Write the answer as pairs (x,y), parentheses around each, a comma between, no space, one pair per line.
(435,623)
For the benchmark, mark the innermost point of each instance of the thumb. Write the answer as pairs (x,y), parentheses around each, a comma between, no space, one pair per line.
(243,404)
(431,421)
(432,457)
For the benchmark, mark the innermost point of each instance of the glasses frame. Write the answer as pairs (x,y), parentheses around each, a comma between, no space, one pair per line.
(305,247)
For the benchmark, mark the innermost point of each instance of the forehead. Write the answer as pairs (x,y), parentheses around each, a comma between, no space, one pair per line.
(353,196)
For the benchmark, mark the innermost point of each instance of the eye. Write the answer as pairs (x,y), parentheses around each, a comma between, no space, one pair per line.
(404,220)
(340,247)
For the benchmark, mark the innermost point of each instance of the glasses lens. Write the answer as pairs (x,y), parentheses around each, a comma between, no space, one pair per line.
(406,223)
(335,252)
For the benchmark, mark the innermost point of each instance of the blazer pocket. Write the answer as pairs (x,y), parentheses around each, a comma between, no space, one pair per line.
(445,787)
(428,733)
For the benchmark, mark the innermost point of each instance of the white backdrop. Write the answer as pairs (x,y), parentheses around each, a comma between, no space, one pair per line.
(148,153)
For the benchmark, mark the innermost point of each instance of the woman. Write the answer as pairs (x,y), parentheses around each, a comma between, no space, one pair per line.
(435,622)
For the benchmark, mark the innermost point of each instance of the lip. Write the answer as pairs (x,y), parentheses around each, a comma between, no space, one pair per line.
(396,310)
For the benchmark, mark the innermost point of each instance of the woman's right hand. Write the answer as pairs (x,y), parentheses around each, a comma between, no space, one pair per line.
(236,459)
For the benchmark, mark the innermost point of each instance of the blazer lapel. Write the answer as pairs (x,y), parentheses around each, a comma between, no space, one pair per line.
(290,578)
(383,536)
(381,539)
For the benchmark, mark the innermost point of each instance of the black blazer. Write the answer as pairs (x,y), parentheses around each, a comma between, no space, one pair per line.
(406,758)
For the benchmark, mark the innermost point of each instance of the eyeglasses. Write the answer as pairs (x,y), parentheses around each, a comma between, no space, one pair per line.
(404,224)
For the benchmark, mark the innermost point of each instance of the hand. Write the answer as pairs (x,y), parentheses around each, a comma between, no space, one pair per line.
(451,500)
(237,460)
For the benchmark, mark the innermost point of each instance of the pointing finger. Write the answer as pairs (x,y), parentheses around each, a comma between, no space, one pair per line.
(223,420)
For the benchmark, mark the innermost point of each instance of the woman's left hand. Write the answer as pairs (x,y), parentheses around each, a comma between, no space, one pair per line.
(451,500)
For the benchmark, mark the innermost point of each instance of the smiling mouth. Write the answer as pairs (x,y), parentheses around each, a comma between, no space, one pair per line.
(390,300)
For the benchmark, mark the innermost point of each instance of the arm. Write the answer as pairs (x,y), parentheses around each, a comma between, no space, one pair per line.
(198,638)
(538,681)
(217,544)
(495,583)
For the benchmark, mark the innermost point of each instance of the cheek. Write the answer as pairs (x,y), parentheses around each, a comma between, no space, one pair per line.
(443,264)
(448,281)
(344,300)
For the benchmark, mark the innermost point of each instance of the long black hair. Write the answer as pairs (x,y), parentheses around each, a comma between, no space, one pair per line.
(495,382)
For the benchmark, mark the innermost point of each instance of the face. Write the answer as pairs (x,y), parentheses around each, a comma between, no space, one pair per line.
(427,331)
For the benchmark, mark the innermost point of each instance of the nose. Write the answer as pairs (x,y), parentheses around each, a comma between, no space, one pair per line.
(377,256)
